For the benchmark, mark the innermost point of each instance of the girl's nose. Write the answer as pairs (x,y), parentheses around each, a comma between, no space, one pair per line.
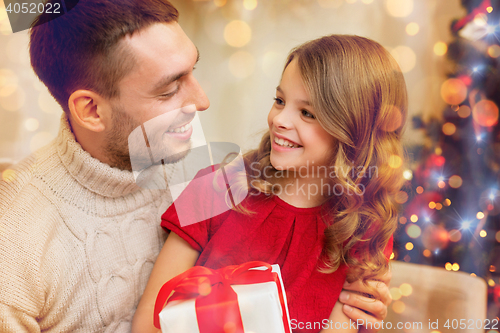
(282,120)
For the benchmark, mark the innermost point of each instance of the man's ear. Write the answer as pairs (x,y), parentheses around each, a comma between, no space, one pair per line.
(89,110)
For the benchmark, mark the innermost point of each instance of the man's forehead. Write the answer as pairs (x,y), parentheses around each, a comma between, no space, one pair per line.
(161,50)
(158,37)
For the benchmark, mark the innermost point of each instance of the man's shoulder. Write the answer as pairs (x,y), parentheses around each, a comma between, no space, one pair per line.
(20,183)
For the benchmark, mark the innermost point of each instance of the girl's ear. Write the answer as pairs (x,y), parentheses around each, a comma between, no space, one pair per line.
(89,110)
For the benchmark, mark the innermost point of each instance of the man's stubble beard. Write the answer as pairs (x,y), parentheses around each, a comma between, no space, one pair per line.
(117,147)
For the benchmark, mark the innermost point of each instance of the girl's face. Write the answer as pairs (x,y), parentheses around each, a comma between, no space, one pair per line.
(297,138)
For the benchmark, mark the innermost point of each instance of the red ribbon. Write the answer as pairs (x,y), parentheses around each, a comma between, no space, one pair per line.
(216,301)
(481,9)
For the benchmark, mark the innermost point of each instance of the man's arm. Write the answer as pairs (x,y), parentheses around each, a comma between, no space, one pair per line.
(16,321)
(356,305)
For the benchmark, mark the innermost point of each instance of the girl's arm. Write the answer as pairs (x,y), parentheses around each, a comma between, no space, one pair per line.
(339,322)
(175,257)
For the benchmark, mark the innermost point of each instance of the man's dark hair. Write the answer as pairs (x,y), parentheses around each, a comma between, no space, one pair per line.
(81,49)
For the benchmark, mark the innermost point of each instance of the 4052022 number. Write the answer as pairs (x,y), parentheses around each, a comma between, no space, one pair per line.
(485,324)
(33,8)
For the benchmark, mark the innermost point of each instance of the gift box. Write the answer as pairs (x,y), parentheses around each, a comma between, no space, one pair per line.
(235,299)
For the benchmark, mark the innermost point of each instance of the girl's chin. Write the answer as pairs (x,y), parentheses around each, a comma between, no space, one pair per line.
(277,165)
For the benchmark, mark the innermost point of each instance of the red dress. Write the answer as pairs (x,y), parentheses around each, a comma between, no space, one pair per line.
(278,233)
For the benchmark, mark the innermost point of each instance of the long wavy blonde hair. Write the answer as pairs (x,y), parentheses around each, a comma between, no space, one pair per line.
(359,97)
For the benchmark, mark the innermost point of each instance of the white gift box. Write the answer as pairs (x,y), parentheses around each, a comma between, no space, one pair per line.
(260,308)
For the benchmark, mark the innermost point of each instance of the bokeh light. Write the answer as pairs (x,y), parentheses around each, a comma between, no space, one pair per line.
(399,8)
(406,289)
(414,218)
(497,236)
(464,111)
(403,220)
(412,28)
(13,100)
(455,235)
(204,289)
(440,48)
(330,3)
(409,246)
(408,174)
(441,184)
(237,33)
(220,3)
(435,237)
(447,202)
(401,197)
(8,78)
(427,253)
(8,175)
(494,51)
(481,19)
(485,113)
(398,307)
(455,267)
(432,205)
(39,140)
(483,233)
(449,128)
(395,293)
(31,124)
(448,266)
(272,63)
(47,103)
(453,91)
(413,231)
(405,57)
(242,64)
(479,215)
(420,190)
(250,4)
(395,161)
(455,181)
(15,50)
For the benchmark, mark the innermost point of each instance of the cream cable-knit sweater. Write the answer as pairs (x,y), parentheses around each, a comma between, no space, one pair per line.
(78,240)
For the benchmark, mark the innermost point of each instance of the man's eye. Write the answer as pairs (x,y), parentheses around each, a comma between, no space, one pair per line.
(279,101)
(307,114)
(170,94)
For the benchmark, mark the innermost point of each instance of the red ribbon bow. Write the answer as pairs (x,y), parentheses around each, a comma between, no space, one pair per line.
(216,301)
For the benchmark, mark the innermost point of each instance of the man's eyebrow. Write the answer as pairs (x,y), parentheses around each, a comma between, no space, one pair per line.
(278,88)
(168,79)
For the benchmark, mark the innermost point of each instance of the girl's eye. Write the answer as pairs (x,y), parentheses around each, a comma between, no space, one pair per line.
(279,101)
(307,114)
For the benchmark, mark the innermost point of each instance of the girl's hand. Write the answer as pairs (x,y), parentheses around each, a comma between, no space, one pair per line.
(175,257)
(367,307)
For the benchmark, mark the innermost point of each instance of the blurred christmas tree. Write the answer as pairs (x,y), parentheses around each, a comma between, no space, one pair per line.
(452,209)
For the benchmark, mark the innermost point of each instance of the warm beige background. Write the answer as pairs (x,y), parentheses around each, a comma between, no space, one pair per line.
(241,98)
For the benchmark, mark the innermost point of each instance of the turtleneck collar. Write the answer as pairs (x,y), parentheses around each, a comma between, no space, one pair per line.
(94,175)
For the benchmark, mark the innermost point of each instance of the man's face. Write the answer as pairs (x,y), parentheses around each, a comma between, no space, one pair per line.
(160,84)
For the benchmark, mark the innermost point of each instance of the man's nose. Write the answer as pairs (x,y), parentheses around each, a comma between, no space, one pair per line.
(199,98)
